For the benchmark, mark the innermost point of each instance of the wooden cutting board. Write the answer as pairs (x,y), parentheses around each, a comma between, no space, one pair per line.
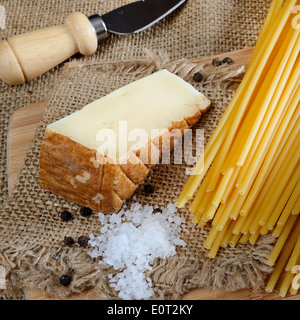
(21,131)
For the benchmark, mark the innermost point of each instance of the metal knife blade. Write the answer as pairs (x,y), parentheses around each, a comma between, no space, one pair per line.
(133,17)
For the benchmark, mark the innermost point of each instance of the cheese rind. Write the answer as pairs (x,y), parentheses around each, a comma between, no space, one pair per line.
(72,163)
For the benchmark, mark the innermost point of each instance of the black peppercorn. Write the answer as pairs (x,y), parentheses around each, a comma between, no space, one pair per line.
(85,211)
(216,62)
(228,60)
(197,77)
(157,210)
(64,280)
(148,188)
(83,241)
(69,241)
(66,215)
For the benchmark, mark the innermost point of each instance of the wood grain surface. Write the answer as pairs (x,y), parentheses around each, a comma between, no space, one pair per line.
(22,127)
(25,56)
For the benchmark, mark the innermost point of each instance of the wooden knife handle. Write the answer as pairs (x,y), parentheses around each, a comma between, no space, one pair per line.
(26,56)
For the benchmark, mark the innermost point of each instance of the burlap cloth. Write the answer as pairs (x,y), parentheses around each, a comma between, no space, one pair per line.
(31,232)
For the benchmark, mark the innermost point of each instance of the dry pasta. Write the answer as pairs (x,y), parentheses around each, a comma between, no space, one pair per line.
(249,183)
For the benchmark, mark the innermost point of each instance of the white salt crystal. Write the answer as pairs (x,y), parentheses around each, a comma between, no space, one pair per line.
(131,240)
(177,220)
(102,218)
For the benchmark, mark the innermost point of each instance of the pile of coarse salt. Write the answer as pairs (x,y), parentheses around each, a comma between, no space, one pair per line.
(131,240)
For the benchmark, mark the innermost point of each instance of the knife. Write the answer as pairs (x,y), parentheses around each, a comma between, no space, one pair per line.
(26,56)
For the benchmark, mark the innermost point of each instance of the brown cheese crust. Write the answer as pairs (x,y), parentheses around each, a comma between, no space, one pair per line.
(73,171)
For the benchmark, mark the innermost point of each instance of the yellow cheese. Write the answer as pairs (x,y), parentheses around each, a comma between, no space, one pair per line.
(149,103)
(127,124)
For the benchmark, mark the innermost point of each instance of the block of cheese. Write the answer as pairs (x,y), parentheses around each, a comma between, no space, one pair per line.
(98,155)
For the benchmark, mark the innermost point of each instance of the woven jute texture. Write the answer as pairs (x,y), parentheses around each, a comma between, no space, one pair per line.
(199,28)
(32,233)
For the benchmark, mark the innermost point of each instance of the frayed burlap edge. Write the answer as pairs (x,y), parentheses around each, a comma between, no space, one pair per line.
(41,267)
(226,76)
(34,266)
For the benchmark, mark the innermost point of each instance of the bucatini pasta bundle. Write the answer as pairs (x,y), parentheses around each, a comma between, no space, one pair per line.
(250,178)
